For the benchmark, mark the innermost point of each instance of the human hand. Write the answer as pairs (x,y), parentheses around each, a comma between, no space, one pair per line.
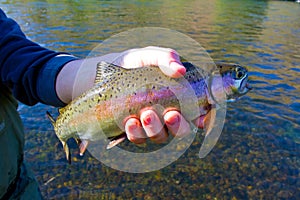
(166,59)
(150,125)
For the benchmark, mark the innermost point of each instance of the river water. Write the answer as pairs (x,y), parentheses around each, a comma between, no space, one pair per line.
(258,153)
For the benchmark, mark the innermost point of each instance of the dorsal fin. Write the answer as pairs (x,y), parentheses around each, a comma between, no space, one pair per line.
(106,72)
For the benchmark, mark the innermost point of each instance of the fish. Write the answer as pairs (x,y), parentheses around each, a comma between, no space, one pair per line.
(118,93)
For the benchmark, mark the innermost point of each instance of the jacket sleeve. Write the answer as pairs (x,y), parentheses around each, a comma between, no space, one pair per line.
(28,69)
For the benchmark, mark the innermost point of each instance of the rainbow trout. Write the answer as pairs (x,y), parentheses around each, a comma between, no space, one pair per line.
(119,93)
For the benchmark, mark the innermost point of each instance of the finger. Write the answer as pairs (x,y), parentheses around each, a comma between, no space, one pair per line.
(203,121)
(153,127)
(168,60)
(200,121)
(171,64)
(176,124)
(134,131)
(174,69)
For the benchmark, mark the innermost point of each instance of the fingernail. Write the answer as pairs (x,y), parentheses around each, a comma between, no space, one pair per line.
(132,127)
(173,120)
(147,120)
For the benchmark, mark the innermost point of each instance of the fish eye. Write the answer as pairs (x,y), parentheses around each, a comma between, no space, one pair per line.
(239,72)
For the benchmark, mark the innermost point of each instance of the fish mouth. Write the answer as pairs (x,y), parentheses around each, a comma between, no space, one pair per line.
(245,86)
(248,86)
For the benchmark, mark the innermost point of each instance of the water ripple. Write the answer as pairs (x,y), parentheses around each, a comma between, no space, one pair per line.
(257,156)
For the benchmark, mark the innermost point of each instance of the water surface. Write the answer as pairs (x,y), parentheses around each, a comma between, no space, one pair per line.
(257,155)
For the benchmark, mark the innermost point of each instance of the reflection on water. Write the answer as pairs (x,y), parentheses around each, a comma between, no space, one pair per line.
(257,156)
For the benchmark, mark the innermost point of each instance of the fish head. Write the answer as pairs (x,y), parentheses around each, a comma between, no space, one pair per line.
(235,80)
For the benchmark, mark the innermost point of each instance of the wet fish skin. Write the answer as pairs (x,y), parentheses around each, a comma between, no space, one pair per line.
(119,93)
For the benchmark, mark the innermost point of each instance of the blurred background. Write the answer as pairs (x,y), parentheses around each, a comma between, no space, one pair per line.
(258,153)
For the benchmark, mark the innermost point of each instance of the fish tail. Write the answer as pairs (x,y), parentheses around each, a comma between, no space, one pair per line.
(50,118)
(67,151)
(65,145)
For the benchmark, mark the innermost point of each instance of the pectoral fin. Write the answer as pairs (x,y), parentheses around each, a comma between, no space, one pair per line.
(209,121)
(213,126)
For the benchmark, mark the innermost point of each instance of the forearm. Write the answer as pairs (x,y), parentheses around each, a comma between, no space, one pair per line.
(28,69)
(78,76)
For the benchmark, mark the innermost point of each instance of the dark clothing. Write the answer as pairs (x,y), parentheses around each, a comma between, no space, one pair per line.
(28,69)
(16,180)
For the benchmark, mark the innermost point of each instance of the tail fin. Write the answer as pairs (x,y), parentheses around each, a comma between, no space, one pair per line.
(65,145)
(67,151)
(50,118)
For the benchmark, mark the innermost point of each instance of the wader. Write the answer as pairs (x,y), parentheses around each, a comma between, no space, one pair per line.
(16,181)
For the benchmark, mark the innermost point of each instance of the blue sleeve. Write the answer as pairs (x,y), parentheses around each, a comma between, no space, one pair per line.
(28,69)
